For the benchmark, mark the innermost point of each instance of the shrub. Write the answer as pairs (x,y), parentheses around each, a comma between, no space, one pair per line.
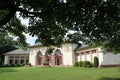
(80,64)
(28,64)
(12,65)
(76,64)
(1,63)
(18,65)
(46,63)
(86,64)
(96,62)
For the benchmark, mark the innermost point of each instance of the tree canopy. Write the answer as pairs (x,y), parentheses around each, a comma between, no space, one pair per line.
(7,43)
(93,21)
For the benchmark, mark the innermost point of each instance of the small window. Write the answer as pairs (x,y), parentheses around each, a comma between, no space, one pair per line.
(27,57)
(93,51)
(22,57)
(11,57)
(87,52)
(16,56)
(77,54)
(82,53)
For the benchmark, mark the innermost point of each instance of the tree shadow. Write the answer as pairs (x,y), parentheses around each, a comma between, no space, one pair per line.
(108,78)
(4,70)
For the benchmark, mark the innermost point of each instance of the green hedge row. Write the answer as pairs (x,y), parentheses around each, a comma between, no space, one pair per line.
(12,65)
(83,64)
(87,63)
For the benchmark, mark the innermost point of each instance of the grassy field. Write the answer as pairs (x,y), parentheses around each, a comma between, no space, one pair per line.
(59,73)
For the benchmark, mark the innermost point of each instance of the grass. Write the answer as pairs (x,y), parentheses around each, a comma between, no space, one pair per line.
(59,73)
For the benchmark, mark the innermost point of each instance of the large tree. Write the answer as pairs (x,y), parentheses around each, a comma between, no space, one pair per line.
(93,21)
(7,43)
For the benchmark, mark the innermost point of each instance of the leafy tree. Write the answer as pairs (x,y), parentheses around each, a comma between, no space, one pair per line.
(49,50)
(7,44)
(93,21)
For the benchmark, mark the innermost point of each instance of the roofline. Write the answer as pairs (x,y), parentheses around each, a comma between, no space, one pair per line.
(17,54)
(34,46)
(87,47)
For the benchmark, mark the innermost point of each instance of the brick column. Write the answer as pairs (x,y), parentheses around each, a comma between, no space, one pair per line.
(52,60)
(62,59)
(43,59)
(91,55)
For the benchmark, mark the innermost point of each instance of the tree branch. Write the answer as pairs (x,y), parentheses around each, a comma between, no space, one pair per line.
(7,18)
(28,13)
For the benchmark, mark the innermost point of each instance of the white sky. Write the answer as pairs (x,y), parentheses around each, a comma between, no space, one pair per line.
(29,39)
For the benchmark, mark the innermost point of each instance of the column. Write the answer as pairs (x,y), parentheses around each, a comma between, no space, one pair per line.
(61,59)
(97,53)
(13,59)
(91,55)
(80,57)
(43,59)
(25,59)
(52,60)
(85,55)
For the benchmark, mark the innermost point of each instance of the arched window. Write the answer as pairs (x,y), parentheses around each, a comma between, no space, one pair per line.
(57,52)
(39,53)
(39,58)
(58,57)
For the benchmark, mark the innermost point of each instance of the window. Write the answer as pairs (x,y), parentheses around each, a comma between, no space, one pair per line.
(87,52)
(21,61)
(16,61)
(27,60)
(11,57)
(11,61)
(77,54)
(82,53)
(93,51)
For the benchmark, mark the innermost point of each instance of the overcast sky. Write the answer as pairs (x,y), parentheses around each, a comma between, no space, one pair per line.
(30,39)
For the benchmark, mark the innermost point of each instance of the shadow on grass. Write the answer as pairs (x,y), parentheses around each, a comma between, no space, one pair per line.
(108,78)
(5,70)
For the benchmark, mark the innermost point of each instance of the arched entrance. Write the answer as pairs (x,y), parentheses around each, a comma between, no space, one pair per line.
(39,58)
(58,57)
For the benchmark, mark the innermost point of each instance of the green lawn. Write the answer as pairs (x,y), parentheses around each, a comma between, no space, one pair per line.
(59,73)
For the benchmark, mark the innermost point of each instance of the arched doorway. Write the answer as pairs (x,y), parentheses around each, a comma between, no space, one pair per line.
(39,58)
(58,57)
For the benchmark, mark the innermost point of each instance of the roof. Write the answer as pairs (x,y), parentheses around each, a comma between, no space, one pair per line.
(83,46)
(18,51)
(36,45)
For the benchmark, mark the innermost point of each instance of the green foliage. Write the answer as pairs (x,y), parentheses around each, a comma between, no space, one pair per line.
(45,63)
(82,64)
(50,20)
(49,50)
(96,62)
(86,64)
(11,65)
(7,43)
(0,62)
(76,64)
